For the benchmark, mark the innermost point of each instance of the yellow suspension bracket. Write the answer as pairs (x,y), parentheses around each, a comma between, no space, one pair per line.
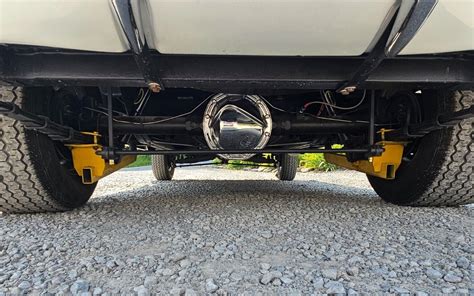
(384,166)
(92,167)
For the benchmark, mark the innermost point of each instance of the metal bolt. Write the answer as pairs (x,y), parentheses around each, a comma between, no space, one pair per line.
(347,90)
(154,87)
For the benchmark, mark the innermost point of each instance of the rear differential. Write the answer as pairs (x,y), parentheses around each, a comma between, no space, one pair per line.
(233,122)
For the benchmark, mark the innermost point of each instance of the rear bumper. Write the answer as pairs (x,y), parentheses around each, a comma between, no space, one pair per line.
(231,73)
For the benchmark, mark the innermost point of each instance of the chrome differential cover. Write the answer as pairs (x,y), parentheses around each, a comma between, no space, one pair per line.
(237,122)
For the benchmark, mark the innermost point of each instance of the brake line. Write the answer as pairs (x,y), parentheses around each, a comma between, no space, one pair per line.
(305,106)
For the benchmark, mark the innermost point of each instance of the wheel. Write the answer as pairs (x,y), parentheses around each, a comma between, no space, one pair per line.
(36,174)
(287,166)
(163,167)
(439,171)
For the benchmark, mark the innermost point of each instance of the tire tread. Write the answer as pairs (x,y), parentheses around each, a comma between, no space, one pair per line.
(21,191)
(453,185)
(160,167)
(288,167)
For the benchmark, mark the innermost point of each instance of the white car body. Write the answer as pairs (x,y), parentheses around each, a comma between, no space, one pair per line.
(233,27)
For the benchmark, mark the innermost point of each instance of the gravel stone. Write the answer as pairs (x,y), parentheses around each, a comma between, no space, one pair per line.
(177,257)
(190,292)
(330,273)
(110,264)
(100,259)
(167,272)
(463,262)
(237,232)
(25,285)
(401,291)
(266,234)
(318,283)
(211,286)
(177,291)
(286,280)
(79,286)
(352,292)
(392,274)
(184,263)
(433,274)
(335,288)
(269,277)
(352,271)
(72,274)
(141,291)
(451,277)
(448,290)
(150,281)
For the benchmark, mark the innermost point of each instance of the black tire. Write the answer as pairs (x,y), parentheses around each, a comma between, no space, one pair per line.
(163,167)
(287,167)
(34,176)
(440,173)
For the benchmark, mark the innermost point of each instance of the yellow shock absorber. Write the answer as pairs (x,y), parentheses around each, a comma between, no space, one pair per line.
(384,166)
(92,167)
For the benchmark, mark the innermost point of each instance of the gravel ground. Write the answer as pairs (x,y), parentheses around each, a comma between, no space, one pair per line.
(248,235)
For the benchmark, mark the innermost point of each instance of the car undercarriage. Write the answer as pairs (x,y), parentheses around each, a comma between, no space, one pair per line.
(375,113)
(196,125)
